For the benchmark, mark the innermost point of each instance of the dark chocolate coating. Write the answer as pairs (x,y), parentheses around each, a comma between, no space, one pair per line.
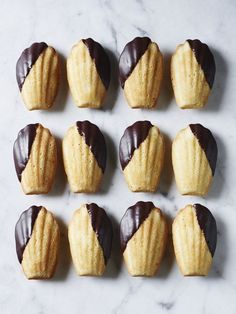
(132,220)
(102,227)
(130,56)
(27,59)
(208,226)
(22,147)
(133,136)
(95,140)
(101,59)
(207,143)
(205,59)
(24,228)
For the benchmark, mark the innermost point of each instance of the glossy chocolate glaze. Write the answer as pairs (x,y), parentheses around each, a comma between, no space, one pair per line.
(205,59)
(131,55)
(95,140)
(24,228)
(132,220)
(102,227)
(208,226)
(101,59)
(207,143)
(133,136)
(22,147)
(27,59)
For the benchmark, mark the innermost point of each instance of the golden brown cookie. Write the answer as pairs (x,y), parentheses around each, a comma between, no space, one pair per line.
(37,74)
(143,235)
(194,156)
(192,74)
(84,155)
(35,157)
(141,156)
(88,72)
(90,236)
(194,237)
(37,239)
(141,72)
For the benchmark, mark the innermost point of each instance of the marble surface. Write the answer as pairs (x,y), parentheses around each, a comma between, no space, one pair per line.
(113,23)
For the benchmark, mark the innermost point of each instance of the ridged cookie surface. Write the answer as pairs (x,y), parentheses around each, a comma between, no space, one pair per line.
(194,156)
(141,154)
(37,239)
(37,74)
(84,155)
(90,236)
(194,237)
(35,157)
(143,234)
(141,72)
(192,74)
(88,72)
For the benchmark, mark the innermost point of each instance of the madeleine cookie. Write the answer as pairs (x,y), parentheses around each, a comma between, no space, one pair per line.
(192,74)
(88,72)
(194,237)
(37,239)
(35,157)
(143,235)
(141,156)
(90,236)
(84,155)
(194,155)
(37,74)
(141,72)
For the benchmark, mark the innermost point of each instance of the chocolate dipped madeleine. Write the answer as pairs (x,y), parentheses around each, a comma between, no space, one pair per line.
(141,72)
(37,74)
(90,236)
(84,155)
(37,238)
(194,156)
(192,74)
(143,235)
(35,158)
(88,73)
(141,154)
(194,236)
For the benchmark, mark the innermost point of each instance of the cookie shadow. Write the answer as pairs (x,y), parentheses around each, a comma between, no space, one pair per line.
(110,166)
(59,185)
(219,87)
(63,89)
(167,171)
(166,91)
(221,253)
(64,256)
(114,264)
(218,180)
(113,89)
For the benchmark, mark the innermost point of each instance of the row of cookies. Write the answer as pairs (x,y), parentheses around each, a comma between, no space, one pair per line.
(140,72)
(143,240)
(141,153)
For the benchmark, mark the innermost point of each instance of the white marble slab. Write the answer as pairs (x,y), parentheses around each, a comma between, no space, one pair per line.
(113,23)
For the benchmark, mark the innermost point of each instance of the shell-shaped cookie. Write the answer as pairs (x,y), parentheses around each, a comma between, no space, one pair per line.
(90,236)
(141,72)
(35,157)
(143,235)
(37,239)
(84,155)
(88,73)
(37,74)
(194,236)
(192,74)
(194,156)
(141,154)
